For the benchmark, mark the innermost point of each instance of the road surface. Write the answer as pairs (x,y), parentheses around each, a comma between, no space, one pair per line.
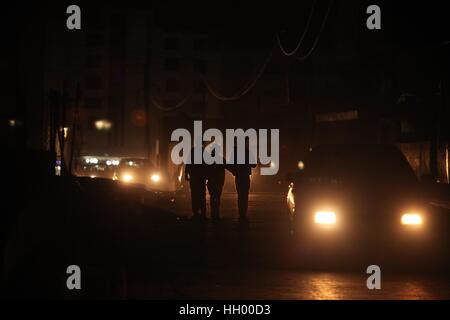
(229,263)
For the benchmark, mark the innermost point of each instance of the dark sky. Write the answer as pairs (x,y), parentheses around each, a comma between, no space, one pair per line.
(411,21)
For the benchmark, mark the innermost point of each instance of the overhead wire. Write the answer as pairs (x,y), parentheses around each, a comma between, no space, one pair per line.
(316,41)
(166,108)
(246,88)
(308,23)
(250,84)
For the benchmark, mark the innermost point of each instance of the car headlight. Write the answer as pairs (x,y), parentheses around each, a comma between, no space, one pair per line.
(325,217)
(411,219)
(155,177)
(127,177)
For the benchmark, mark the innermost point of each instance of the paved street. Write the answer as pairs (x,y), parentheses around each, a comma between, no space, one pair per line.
(254,264)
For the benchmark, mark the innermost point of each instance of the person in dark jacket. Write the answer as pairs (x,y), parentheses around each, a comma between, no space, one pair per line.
(242,173)
(196,175)
(215,182)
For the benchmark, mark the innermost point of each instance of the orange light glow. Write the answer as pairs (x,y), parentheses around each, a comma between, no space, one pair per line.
(411,219)
(325,217)
(127,177)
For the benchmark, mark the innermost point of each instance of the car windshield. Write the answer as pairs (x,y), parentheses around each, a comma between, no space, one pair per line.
(340,164)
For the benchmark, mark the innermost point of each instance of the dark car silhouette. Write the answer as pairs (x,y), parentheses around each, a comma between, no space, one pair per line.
(357,201)
(140,171)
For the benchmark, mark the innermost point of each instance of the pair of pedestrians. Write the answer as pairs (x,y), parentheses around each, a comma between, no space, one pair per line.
(212,177)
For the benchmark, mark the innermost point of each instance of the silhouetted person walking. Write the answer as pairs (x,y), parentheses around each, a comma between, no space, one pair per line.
(196,175)
(242,173)
(216,180)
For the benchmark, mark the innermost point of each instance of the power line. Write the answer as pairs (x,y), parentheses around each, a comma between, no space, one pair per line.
(250,84)
(166,108)
(308,22)
(162,107)
(246,88)
(316,41)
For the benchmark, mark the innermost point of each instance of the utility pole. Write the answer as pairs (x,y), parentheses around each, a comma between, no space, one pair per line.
(147,86)
(60,128)
(74,127)
(439,108)
(52,105)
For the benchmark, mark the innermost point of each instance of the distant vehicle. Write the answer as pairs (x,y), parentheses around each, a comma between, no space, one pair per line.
(95,167)
(141,171)
(357,199)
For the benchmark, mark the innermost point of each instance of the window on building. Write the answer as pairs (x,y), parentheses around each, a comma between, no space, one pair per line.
(172,65)
(93,62)
(198,106)
(172,85)
(200,66)
(171,44)
(93,102)
(93,82)
(407,127)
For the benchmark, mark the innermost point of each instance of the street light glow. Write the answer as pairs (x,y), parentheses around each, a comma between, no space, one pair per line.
(103,125)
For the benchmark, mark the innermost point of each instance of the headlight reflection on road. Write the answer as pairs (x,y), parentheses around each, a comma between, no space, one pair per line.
(325,217)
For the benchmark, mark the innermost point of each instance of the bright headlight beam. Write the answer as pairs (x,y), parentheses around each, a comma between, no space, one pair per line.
(155,177)
(411,219)
(325,217)
(127,177)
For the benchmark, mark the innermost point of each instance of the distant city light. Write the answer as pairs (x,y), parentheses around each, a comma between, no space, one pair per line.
(66,132)
(103,125)
(15,123)
(57,170)
(112,162)
(92,160)
(301,165)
